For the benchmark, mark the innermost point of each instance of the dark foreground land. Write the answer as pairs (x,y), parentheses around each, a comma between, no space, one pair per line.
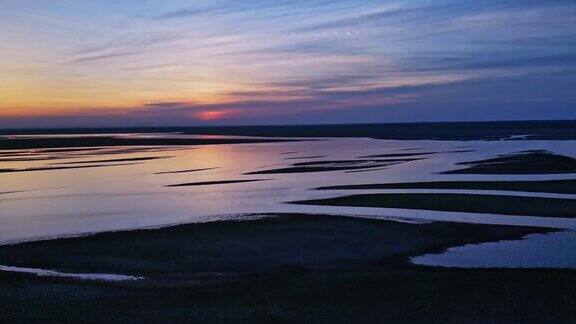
(416,294)
(239,247)
(285,269)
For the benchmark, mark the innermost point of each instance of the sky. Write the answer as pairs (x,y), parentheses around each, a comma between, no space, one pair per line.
(109,63)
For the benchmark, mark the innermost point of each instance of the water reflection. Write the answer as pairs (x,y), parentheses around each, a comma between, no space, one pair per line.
(132,196)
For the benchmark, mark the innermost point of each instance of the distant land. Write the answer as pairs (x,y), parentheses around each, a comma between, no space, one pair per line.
(492,130)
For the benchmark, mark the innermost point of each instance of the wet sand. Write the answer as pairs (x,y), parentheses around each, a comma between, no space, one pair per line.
(528,162)
(471,203)
(348,162)
(339,165)
(305,157)
(218,182)
(186,171)
(137,159)
(387,155)
(310,169)
(316,241)
(549,186)
(397,155)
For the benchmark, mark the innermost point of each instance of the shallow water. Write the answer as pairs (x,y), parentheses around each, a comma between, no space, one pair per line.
(51,203)
(556,250)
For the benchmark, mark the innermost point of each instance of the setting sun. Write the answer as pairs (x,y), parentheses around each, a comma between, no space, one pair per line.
(211,115)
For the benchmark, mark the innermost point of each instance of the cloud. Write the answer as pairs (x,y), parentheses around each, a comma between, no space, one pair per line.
(187,13)
(166,104)
(489,62)
(480,99)
(102,57)
(239,61)
(220,8)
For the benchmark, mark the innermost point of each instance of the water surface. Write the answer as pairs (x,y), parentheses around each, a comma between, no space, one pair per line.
(54,203)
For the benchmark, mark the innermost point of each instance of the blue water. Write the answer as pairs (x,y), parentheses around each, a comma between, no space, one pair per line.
(556,250)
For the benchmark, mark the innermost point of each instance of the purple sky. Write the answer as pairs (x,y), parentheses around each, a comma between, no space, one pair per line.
(161,63)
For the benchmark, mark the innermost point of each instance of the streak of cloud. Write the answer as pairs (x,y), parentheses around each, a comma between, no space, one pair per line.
(258,61)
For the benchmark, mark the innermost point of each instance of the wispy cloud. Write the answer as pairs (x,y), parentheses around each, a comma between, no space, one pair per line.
(244,59)
(103,57)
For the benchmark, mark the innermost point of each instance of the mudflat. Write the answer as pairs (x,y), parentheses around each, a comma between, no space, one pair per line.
(531,162)
(470,203)
(550,186)
(292,268)
(261,244)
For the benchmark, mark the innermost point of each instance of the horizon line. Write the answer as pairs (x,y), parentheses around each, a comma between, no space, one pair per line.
(285,125)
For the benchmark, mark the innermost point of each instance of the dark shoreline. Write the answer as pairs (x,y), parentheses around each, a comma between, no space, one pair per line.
(53,168)
(375,290)
(463,130)
(187,170)
(457,202)
(335,165)
(97,141)
(418,294)
(528,162)
(136,159)
(548,186)
(208,183)
(256,244)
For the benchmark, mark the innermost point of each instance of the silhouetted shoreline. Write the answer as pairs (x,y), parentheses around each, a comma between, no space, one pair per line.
(490,130)
(283,268)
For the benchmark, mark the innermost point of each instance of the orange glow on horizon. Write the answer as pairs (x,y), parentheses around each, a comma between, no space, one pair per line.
(211,115)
